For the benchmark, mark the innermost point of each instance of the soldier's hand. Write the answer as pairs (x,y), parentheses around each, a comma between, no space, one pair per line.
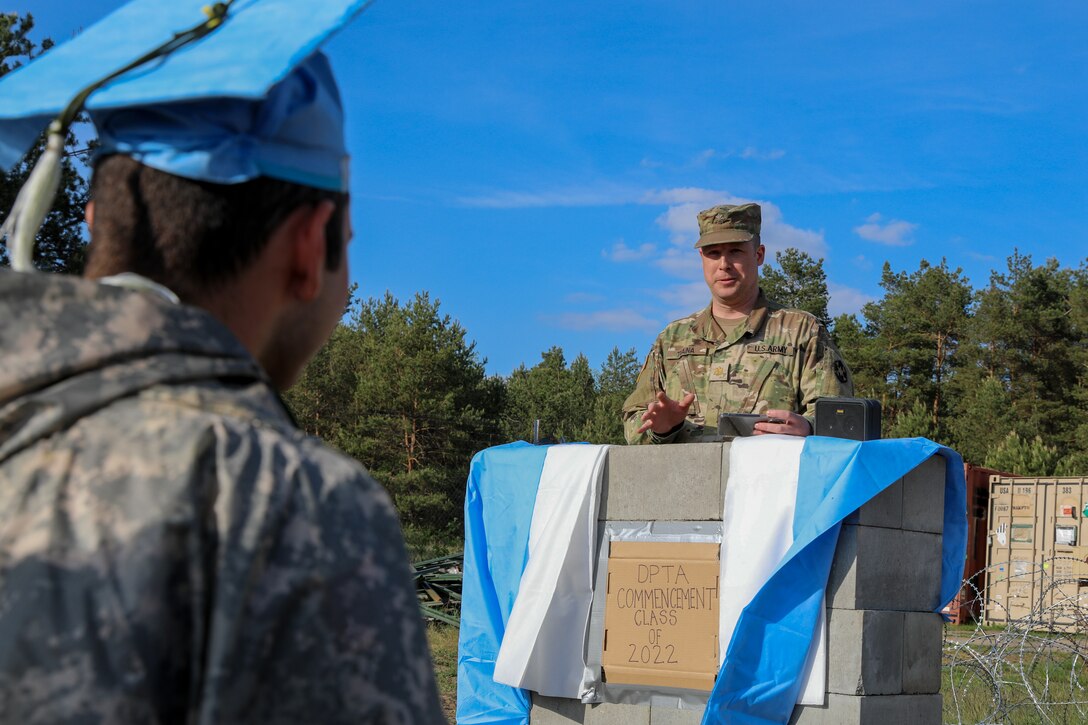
(791,425)
(664,414)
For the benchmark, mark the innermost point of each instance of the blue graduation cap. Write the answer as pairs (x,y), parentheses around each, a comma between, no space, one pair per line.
(222,93)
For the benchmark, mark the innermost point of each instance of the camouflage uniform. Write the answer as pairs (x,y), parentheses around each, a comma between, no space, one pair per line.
(780,358)
(172,548)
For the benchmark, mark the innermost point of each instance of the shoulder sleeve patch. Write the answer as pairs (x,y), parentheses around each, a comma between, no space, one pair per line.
(840,371)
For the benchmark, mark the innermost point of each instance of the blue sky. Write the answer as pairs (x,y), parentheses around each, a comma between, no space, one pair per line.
(537,167)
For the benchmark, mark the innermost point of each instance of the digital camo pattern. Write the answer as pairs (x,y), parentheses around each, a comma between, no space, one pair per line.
(172,549)
(780,359)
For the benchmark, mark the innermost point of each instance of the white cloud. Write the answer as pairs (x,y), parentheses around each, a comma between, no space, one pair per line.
(751,152)
(683,263)
(620,252)
(681,195)
(682,204)
(612,320)
(685,298)
(596,196)
(778,235)
(679,221)
(843,300)
(702,158)
(894,232)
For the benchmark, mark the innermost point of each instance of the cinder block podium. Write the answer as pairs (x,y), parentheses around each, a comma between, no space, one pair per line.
(884,639)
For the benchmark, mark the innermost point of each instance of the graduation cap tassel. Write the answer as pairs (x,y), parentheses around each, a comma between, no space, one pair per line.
(34,201)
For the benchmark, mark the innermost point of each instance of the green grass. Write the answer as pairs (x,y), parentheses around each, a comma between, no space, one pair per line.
(443,641)
(1051,678)
(972,628)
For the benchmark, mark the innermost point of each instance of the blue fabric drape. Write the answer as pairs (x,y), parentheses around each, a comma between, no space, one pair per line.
(502,486)
(761,676)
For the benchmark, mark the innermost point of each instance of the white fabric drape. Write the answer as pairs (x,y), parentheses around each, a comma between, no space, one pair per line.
(542,649)
(757,530)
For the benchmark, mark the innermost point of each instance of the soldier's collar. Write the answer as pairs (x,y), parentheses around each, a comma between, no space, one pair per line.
(758,313)
(131,280)
(704,326)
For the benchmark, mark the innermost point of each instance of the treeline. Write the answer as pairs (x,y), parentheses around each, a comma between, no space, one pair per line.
(1000,373)
(401,388)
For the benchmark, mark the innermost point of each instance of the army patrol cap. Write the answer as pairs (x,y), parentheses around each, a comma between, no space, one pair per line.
(727,223)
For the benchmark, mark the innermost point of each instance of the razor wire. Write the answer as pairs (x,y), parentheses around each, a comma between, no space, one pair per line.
(1023,660)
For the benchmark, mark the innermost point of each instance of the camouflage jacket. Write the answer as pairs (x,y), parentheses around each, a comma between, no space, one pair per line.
(781,358)
(172,548)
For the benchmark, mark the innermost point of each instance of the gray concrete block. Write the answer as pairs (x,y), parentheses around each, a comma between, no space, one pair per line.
(555,711)
(923,497)
(563,711)
(902,710)
(673,716)
(886,509)
(871,709)
(665,483)
(726,448)
(839,710)
(878,568)
(865,652)
(923,636)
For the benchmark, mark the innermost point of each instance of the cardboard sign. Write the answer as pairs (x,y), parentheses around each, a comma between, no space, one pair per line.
(661,614)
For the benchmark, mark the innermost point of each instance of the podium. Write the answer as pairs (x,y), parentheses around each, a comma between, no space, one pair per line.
(883,637)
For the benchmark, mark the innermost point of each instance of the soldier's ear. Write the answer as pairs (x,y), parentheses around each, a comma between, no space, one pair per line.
(308,240)
(88,215)
(761,252)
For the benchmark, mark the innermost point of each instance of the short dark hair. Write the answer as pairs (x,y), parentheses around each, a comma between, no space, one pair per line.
(192,236)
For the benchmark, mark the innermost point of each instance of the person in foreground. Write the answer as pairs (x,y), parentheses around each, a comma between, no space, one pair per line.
(741,354)
(172,547)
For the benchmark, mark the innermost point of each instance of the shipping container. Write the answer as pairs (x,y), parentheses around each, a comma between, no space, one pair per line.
(1037,551)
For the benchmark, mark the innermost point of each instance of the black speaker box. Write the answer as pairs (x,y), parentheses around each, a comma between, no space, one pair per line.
(857,419)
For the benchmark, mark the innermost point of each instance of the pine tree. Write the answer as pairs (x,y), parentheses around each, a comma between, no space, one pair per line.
(561,398)
(1023,457)
(799,282)
(615,381)
(402,389)
(1027,336)
(916,330)
(860,349)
